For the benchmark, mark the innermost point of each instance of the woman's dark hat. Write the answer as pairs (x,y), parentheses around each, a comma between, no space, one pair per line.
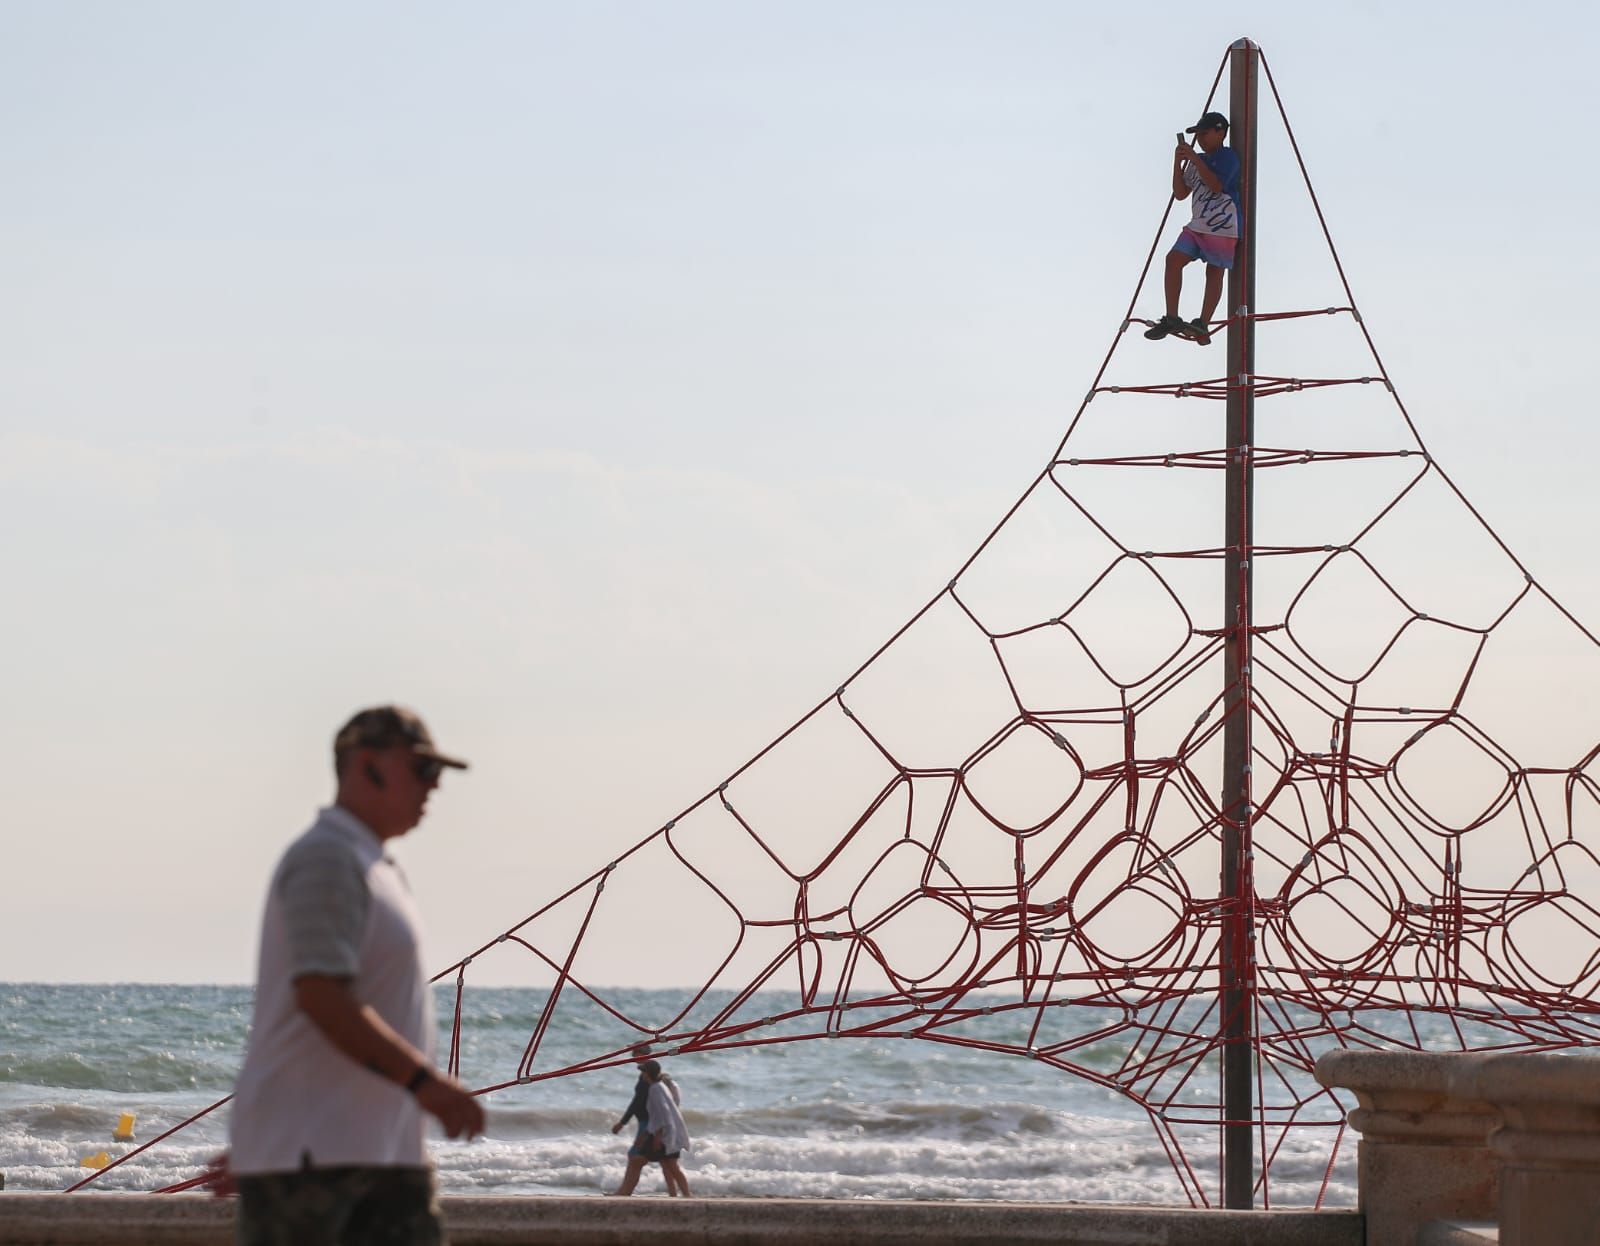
(1211,121)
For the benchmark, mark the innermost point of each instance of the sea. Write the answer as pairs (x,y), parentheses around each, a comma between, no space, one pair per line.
(849,1118)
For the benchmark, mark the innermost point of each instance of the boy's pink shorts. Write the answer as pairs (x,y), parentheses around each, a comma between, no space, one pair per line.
(1214,250)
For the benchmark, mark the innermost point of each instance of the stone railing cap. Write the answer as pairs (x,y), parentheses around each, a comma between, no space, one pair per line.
(1421,1071)
(1533,1076)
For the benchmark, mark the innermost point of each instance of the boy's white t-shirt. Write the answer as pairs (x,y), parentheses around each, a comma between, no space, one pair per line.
(1214,211)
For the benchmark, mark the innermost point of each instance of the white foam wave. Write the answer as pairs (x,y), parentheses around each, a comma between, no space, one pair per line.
(963,1155)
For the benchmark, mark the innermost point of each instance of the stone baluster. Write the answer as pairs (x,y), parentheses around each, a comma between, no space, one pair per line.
(1424,1152)
(1548,1144)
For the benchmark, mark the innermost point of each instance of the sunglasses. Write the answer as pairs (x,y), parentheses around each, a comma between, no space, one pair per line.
(427,769)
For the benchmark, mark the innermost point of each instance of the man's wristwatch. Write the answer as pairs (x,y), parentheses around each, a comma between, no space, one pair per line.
(420,1078)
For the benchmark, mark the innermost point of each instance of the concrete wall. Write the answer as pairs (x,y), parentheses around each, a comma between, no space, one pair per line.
(186,1220)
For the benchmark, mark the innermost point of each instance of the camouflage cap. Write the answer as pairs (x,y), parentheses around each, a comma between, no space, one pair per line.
(390,726)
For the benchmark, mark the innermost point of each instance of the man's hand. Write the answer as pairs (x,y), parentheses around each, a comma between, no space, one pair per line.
(452,1105)
(617,1128)
(217,1179)
(1181,155)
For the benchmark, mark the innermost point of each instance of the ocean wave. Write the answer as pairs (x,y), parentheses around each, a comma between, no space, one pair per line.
(140,1070)
(894,1119)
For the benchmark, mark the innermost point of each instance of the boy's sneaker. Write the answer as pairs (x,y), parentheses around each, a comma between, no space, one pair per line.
(1164,326)
(1200,331)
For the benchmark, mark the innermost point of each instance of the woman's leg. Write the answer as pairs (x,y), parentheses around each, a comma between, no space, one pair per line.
(631,1177)
(677,1183)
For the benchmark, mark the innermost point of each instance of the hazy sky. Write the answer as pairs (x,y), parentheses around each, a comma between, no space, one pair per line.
(607,380)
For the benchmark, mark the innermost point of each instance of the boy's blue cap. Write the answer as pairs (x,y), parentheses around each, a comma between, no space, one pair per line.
(1211,121)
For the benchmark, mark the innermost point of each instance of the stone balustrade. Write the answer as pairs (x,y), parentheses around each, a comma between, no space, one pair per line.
(1548,1142)
(1475,1147)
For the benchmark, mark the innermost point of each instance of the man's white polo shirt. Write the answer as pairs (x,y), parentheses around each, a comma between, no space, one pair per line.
(337,905)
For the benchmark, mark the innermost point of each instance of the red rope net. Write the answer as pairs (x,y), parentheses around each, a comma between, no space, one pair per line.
(1003,830)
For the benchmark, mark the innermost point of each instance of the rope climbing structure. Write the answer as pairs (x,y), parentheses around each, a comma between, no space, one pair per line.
(1006,829)
(1009,828)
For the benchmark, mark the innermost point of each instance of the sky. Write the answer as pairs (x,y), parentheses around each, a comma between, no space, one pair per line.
(607,380)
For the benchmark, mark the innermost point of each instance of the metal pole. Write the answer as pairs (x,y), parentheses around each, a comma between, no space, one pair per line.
(1238,887)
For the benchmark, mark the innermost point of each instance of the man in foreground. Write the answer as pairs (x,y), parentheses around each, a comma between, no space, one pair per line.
(327,1128)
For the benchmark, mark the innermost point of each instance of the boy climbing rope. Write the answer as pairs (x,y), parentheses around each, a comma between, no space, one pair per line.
(1211,175)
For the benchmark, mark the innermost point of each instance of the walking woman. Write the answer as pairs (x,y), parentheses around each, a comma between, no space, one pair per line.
(646,1108)
(668,1134)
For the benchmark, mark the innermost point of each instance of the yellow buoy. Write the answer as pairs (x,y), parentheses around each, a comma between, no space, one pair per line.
(98,1160)
(124,1130)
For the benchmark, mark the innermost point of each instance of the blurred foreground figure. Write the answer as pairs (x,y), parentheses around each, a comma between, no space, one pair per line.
(327,1128)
